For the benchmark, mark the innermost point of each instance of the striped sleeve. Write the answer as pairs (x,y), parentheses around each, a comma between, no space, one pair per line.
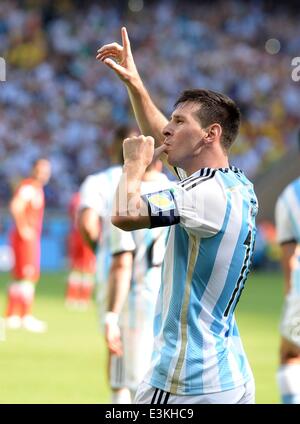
(201,202)
(197,203)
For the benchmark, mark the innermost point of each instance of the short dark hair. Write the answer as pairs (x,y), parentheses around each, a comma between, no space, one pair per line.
(215,108)
(39,159)
(120,133)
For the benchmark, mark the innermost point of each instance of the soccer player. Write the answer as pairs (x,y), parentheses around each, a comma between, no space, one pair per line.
(287,213)
(27,209)
(82,263)
(96,198)
(134,282)
(198,355)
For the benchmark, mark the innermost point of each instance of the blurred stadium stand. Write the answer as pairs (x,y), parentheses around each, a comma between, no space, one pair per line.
(271,183)
(59,102)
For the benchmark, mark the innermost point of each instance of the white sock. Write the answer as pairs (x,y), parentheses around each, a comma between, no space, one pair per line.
(288,378)
(87,279)
(27,288)
(74,277)
(120,396)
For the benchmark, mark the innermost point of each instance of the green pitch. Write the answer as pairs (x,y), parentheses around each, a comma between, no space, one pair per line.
(67,364)
(258,316)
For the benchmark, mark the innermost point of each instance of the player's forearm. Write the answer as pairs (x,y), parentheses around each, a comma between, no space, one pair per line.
(90,241)
(89,227)
(118,295)
(119,284)
(287,276)
(127,198)
(90,236)
(149,118)
(288,263)
(130,212)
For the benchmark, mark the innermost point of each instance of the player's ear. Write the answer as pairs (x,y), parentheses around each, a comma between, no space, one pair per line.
(213,132)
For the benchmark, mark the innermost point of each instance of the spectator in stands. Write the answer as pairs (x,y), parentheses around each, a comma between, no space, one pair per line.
(55,96)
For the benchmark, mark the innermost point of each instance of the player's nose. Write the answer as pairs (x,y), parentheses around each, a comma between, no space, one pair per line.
(167,131)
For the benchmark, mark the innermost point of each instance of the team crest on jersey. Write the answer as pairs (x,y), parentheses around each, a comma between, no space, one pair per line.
(162,201)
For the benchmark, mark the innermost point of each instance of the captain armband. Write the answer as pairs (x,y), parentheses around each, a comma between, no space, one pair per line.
(162,208)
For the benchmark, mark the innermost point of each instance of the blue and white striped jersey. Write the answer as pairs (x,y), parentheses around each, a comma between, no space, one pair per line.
(97,192)
(197,344)
(287,218)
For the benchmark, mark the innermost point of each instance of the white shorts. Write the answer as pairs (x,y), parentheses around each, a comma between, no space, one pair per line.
(148,394)
(290,322)
(130,369)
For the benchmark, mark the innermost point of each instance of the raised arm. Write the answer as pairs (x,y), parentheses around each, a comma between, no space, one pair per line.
(119,58)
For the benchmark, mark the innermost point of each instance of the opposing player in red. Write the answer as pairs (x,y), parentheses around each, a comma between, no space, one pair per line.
(82,262)
(27,210)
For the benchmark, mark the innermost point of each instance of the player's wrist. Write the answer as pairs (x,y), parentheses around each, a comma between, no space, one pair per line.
(134,171)
(134,83)
(111,318)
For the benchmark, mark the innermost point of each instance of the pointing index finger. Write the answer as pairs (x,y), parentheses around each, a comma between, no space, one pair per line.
(125,39)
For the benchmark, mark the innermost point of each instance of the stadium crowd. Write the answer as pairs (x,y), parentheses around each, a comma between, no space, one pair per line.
(59,102)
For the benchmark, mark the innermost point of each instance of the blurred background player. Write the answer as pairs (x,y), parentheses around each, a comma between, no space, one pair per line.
(134,283)
(27,210)
(287,217)
(82,262)
(96,198)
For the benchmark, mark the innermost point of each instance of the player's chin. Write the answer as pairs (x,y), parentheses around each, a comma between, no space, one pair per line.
(171,159)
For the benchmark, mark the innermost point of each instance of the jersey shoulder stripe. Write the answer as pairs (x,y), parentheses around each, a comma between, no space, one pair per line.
(204,172)
(202,180)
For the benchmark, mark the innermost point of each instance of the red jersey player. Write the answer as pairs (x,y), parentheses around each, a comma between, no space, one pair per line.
(27,209)
(82,262)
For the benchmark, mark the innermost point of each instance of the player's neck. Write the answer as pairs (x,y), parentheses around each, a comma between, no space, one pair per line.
(209,159)
(36,180)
